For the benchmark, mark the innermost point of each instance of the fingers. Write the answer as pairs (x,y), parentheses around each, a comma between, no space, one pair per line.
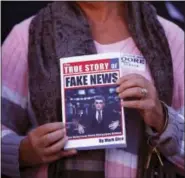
(129,77)
(81,131)
(49,159)
(131,92)
(53,137)
(81,126)
(68,153)
(56,147)
(139,104)
(44,144)
(131,80)
(59,155)
(50,127)
(129,84)
(111,126)
(114,125)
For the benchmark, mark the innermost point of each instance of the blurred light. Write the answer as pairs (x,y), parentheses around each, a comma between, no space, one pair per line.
(81,92)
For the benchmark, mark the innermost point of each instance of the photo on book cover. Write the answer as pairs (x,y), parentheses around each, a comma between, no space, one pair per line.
(93,111)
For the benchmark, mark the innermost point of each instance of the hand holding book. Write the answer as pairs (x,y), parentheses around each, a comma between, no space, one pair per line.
(145,99)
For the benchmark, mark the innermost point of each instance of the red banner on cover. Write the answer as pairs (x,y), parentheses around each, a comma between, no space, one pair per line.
(88,66)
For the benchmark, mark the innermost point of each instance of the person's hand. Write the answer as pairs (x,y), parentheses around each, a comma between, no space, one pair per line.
(144,98)
(80,128)
(114,125)
(44,145)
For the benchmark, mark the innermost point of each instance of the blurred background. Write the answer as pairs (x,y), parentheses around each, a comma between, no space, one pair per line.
(14,12)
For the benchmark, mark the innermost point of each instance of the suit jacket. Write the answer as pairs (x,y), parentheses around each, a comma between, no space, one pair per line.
(92,126)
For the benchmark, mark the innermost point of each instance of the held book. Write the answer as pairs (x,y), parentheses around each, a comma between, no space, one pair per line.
(91,107)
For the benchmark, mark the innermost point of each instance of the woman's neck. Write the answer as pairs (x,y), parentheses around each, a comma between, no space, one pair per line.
(100,12)
(106,20)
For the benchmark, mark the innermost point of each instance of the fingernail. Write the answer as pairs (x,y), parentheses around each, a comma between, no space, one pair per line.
(117,89)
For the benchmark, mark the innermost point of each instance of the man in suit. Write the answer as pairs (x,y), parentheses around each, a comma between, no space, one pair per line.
(100,119)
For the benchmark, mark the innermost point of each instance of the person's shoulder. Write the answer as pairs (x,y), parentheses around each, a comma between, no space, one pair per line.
(22,28)
(168,24)
(25,22)
(14,58)
(19,34)
(109,111)
(175,36)
(172,30)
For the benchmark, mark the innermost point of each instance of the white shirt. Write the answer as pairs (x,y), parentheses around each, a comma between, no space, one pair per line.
(97,114)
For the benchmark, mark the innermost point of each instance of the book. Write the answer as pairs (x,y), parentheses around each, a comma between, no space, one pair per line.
(91,108)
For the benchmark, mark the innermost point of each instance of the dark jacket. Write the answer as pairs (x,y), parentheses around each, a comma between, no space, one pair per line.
(92,126)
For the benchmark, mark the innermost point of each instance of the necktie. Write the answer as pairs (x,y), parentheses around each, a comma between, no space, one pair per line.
(99,117)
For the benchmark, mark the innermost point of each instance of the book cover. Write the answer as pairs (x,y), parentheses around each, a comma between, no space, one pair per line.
(91,108)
